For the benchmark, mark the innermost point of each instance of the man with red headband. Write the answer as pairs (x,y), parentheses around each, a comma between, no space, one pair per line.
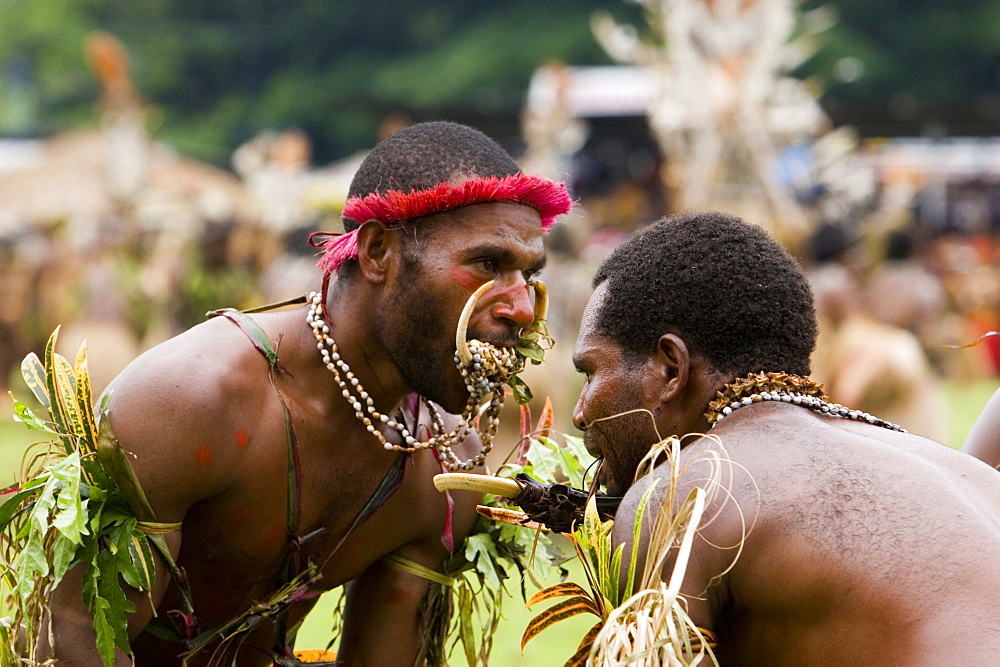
(294,450)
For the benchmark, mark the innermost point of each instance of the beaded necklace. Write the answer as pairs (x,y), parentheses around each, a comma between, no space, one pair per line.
(483,366)
(786,388)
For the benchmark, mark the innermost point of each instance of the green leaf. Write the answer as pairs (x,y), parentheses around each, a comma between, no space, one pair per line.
(65,386)
(23,414)
(44,504)
(31,562)
(562,589)
(575,459)
(105,633)
(480,551)
(520,390)
(141,558)
(84,399)
(63,554)
(33,372)
(55,391)
(71,512)
(560,611)
(532,352)
(14,502)
(122,537)
(115,462)
(544,458)
(468,635)
(110,589)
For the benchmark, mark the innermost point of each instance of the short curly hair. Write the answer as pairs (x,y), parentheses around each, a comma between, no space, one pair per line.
(723,285)
(422,156)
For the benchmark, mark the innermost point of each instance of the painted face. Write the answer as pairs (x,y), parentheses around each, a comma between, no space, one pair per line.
(463,249)
(614,385)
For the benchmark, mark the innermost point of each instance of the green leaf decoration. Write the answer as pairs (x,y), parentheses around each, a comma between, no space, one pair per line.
(55,393)
(579,659)
(520,390)
(562,589)
(560,611)
(71,512)
(71,508)
(33,372)
(85,400)
(23,414)
(65,390)
(140,557)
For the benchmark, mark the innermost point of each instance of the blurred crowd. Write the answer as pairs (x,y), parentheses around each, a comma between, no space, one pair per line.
(902,280)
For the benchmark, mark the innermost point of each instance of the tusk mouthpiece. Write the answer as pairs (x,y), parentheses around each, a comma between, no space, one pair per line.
(541,299)
(465,481)
(461,343)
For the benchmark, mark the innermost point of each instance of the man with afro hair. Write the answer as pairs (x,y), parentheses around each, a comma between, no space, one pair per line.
(830,536)
(293,451)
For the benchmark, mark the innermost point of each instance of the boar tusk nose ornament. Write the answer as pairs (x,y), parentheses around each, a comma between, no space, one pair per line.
(485,366)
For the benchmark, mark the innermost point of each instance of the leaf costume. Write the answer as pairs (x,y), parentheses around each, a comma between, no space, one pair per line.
(77,504)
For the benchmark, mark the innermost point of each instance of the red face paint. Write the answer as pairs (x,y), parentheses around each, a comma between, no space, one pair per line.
(204,454)
(241,438)
(464,278)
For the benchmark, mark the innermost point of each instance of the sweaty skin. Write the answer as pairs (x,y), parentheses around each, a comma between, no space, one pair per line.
(829,542)
(864,545)
(180,410)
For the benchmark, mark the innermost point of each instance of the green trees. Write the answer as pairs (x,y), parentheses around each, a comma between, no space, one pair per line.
(218,71)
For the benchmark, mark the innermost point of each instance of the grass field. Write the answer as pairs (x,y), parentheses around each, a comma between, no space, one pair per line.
(552,646)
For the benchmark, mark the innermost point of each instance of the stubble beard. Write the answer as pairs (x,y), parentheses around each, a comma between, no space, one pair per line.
(629,437)
(418,343)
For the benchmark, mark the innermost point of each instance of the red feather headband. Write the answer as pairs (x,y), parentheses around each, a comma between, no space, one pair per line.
(550,198)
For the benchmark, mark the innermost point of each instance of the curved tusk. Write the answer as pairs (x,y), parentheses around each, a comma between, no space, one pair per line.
(461,344)
(541,299)
(465,481)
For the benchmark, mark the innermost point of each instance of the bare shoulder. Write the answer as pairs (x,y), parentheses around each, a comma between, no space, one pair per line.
(168,406)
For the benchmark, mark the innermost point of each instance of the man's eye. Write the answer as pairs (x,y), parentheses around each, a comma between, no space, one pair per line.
(488,265)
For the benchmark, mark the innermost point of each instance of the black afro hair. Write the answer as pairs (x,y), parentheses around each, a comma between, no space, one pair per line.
(723,285)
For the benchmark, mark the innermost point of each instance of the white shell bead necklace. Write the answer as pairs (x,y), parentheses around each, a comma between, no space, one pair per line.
(481,379)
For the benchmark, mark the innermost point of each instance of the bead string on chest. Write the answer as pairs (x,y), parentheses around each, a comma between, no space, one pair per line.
(483,367)
(786,388)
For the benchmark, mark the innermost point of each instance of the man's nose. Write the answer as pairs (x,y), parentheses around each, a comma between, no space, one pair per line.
(513,303)
(578,420)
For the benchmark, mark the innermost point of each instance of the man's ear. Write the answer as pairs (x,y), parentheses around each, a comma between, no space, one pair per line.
(673,363)
(374,247)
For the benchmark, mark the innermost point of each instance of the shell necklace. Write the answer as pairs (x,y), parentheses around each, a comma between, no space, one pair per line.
(787,388)
(484,367)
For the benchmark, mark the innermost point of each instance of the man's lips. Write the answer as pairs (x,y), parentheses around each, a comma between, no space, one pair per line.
(591,446)
(494,340)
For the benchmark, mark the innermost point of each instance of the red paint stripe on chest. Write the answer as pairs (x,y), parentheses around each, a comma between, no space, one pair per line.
(242,439)
(203,455)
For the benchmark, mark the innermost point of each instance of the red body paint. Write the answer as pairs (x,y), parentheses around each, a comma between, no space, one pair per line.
(273,535)
(204,454)
(399,594)
(242,439)
(464,278)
